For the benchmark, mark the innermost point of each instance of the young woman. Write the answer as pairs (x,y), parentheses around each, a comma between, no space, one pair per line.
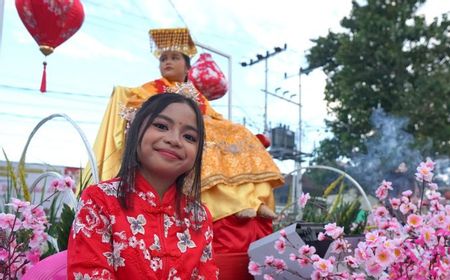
(238,174)
(148,223)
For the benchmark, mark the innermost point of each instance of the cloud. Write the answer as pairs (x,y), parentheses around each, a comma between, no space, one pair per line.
(83,45)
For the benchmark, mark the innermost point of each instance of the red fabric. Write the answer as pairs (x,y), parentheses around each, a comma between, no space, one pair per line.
(51,23)
(208,78)
(264,140)
(234,235)
(44,78)
(147,241)
(233,266)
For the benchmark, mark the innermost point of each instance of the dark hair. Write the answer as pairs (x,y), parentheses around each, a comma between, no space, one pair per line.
(187,59)
(130,162)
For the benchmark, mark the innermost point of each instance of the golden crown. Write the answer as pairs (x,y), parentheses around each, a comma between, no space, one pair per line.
(171,39)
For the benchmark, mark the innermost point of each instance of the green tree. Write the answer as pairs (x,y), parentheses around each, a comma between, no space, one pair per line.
(388,57)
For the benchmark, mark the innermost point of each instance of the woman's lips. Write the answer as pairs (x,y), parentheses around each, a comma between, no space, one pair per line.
(169,154)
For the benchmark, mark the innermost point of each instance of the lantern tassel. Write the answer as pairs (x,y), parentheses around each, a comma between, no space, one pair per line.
(44,78)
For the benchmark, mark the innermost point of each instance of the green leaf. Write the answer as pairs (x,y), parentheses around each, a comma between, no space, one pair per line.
(64,226)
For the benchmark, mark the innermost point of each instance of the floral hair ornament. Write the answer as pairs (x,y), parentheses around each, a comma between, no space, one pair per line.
(186,89)
(171,39)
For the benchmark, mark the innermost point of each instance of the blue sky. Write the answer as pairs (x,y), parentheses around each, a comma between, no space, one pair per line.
(112,48)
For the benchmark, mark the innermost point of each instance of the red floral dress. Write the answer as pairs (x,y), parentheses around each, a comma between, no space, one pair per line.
(148,241)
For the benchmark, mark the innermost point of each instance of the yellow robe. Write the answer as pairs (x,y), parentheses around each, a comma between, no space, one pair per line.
(237,172)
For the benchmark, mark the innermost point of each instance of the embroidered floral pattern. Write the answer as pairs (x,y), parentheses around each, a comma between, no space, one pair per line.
(96,275)
(140,241)
(89,220)
(137,224)
(167,224)
(156,245)
(185,241)
(156,263)
(109,188)
(207,253)
(113,258)
(149,197)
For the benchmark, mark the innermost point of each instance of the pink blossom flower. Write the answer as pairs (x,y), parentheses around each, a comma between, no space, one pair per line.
(407,193)
(316,275)
(279,265)
(3,254)
(321,236)
(395,203)
(333,231)
(415,220)
(339,246)
(323,266)
(254,268)
(57,185)
(69,183)
(363,252)
(402,247)
(381,212)
(292,256)
(429,235)
(303,261)
(66,183)
(384,256)
(268,277)
(383,190)
(358,276)
(33,255)
(373,268)
(280,245)
(433,186)
(269,260)
(430,164)
(424,171)
(18,204)
(405,208)
(351,261)
(303,200)
(8,220)
(306,250)
(371,238)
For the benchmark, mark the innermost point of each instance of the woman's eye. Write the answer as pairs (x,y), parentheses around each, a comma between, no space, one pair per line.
(190,138)
(160,126)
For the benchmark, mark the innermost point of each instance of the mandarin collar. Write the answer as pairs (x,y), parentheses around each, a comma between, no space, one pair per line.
(143,186)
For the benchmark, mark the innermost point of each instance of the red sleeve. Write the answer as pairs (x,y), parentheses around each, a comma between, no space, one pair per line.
(90,252)
(208,267)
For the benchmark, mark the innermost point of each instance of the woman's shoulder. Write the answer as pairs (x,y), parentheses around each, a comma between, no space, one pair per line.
(102,190)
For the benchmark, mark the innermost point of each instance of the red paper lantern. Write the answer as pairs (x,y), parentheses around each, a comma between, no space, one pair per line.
(265,141)
(208,78)
(50,22)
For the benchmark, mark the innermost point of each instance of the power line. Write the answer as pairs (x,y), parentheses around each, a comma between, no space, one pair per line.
(260,57)
(22,116)
(66,93)
(178,13)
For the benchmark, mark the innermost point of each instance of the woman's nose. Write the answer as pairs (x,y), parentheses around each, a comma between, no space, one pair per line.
(173,139)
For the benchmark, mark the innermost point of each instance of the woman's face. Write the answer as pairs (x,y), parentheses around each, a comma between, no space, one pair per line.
(170,144)
(173,66)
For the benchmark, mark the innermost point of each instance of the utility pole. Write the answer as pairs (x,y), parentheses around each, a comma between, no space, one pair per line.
(260,57)
(2,15)
(298,162)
